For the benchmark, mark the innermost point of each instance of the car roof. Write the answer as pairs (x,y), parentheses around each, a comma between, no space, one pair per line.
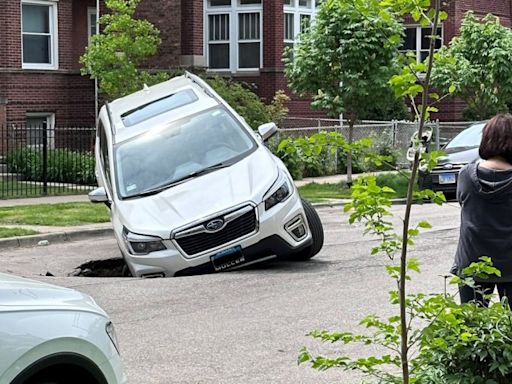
(128,121)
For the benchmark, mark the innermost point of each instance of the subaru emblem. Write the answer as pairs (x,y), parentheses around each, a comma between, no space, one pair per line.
(214,225)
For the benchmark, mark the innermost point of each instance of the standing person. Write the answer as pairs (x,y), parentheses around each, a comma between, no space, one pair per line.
(484,192)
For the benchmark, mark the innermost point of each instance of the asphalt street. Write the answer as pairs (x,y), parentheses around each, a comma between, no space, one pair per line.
(247,326)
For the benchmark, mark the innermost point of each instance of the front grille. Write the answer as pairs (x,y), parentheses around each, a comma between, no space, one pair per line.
(235,229)
(454,168)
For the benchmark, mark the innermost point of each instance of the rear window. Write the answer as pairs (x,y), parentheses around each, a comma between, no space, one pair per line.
(157,107)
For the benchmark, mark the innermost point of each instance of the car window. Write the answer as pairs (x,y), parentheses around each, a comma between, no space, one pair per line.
(468,138)
(104,157)
(169,153)
(157,107)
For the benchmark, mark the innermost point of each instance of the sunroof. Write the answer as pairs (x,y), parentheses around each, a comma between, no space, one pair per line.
(157,107)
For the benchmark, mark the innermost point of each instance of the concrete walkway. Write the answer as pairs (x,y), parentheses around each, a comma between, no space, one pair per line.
(44,200)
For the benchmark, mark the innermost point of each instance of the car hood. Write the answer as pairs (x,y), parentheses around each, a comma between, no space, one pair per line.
(245,181)
(19,294)
(462,156)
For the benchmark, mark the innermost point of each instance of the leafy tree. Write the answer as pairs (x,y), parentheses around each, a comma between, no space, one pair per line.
(115,56)
(389,108)
(478,64)
(345,59)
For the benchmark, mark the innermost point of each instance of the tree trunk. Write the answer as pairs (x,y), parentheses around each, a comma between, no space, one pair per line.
(349,154)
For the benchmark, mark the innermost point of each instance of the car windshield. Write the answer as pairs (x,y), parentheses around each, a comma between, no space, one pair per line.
(159,158)
(468,138)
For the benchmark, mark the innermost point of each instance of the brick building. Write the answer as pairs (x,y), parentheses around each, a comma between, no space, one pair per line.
(41,41)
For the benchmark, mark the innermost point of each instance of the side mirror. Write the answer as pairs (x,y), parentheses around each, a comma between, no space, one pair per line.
(99,195)
(267,130)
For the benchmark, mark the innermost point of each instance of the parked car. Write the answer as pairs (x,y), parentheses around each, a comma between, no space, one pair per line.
(55,335)
(461,150)
(192,188)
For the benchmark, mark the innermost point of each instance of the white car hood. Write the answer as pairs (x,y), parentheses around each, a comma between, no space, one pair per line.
(19,294)
(245,181)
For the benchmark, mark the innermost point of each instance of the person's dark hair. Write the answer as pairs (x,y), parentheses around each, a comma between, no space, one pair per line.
(497,138)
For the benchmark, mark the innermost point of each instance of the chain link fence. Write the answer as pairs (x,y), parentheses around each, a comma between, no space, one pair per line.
(394,134)
(38,160)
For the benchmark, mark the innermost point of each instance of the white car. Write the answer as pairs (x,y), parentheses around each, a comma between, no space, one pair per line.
(192,188)
(50,334)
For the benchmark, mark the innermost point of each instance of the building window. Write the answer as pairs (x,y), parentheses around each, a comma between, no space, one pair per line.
(38,126)
(39,34)
(417,40)
(297,18)
(92,19)
(249,40)
(218,41)
(233,35)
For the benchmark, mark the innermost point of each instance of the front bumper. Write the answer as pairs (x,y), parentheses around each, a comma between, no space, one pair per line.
(432,181)
(271,239)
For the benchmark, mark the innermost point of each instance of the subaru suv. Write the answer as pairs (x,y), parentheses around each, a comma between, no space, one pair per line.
(192,188)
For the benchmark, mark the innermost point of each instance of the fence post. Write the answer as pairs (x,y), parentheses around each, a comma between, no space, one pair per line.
(394,128)
(438,138)
(45,158)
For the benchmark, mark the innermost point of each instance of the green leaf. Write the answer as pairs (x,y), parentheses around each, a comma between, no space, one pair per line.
(424,224)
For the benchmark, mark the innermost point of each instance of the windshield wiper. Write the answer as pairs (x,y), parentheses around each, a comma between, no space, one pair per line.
(165,186)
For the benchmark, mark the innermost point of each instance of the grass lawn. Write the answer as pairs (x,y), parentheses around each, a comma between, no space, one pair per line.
(321,192)
(315,193)
(55,214)
(13,232)
(19,189)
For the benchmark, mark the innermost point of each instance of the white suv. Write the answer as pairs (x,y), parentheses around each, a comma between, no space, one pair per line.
(54,335)
(192,188)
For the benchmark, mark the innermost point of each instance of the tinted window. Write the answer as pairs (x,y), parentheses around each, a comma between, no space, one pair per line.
(105,160)
(157,107)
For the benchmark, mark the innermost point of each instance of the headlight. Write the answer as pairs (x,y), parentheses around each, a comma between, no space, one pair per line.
(279,195)
(111,332)
(141,244)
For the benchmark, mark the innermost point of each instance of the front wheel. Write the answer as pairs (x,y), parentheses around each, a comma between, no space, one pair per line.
(317,233)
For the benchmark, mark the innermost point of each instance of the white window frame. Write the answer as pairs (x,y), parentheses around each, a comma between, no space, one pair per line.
(91,11)
(297,11)
(419,29)
(233,10)
(54,36)
(50,124)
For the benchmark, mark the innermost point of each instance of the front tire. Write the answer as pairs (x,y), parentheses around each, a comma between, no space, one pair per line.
(317,233)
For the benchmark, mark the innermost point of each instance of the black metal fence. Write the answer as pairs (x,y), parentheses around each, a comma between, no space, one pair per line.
(39,160)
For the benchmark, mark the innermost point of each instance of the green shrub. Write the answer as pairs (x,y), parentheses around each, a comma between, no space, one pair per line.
(63,165)
(243,100)
(380,146)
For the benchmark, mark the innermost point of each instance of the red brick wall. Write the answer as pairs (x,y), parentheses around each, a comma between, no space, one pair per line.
(192,21)
(69,96)
(272,76)
(63,91)
(166,16)
(10,37)
(79,32)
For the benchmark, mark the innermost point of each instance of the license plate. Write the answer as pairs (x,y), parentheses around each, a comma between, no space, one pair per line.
(228,258)
(447,178)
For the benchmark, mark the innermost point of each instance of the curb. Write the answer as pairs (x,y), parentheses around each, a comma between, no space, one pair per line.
(56,237)
(83,234)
